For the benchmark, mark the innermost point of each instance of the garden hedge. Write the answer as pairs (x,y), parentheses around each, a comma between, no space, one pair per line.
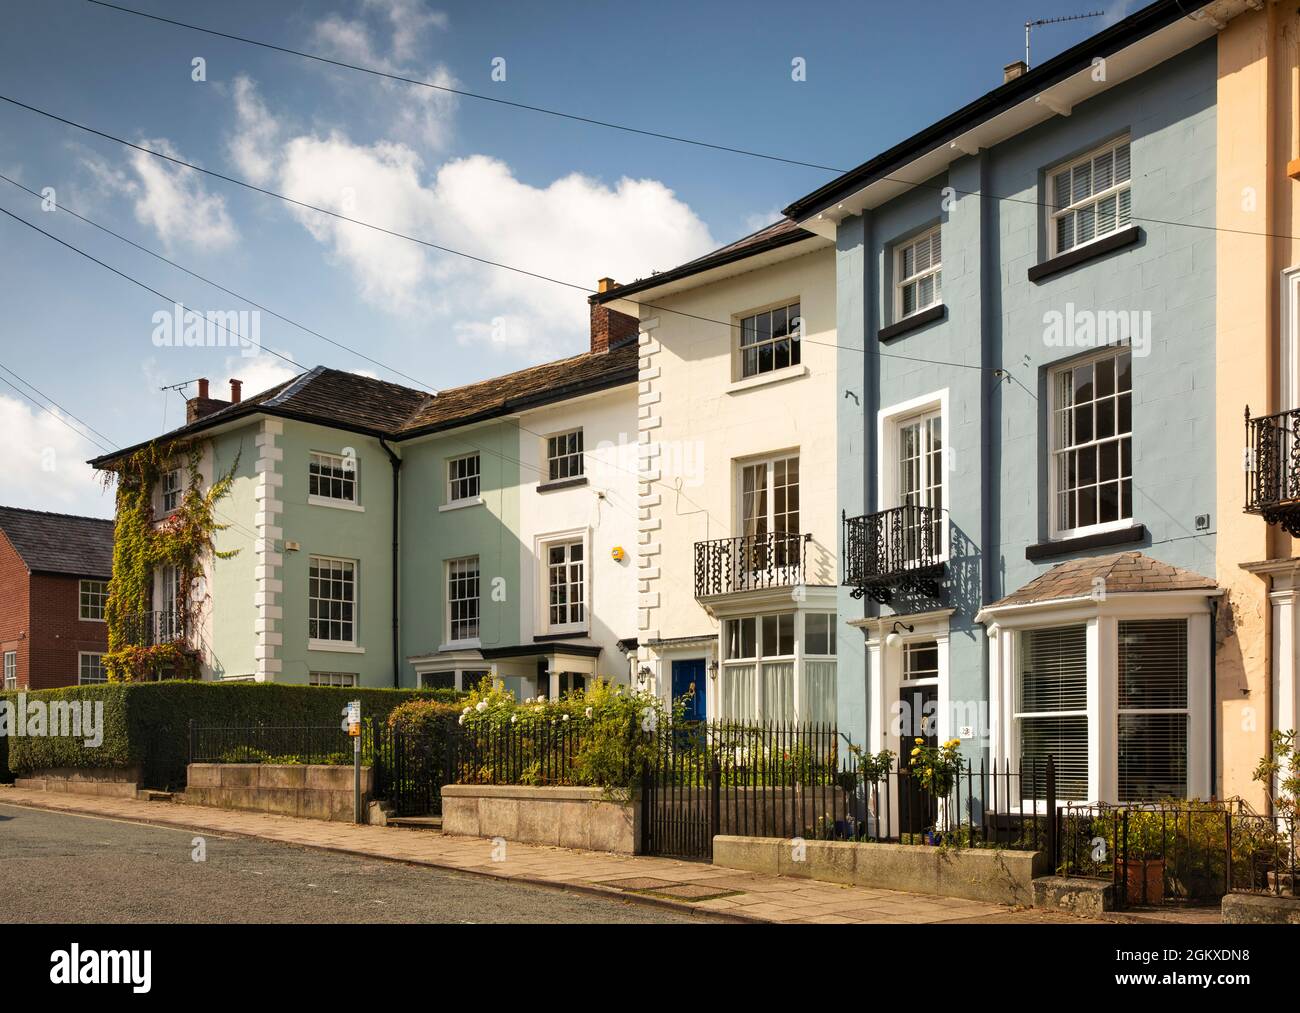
(148,723)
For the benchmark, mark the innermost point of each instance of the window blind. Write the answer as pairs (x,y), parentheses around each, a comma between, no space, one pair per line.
(1053,697)
(1153,709)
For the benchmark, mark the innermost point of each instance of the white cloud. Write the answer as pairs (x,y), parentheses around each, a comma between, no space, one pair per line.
(257,372)
(419,115)
(762,220)
(252,147)
(170,199)
(576,229)
(45,467)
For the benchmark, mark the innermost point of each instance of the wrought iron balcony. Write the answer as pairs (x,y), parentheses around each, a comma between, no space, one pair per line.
(749,563)
(898,550)
(1273,468)
(145,629)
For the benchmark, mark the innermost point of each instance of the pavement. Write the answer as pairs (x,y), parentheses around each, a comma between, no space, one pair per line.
(672,887)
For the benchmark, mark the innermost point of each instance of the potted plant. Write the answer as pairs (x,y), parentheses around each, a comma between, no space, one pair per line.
(1141,867)
(936,769)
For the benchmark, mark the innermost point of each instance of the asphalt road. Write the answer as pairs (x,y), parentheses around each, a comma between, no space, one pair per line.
(56,867)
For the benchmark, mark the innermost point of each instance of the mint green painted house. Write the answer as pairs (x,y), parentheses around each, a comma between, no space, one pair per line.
(390,537)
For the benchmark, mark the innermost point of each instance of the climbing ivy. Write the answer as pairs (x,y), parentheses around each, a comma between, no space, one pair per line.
(183,539)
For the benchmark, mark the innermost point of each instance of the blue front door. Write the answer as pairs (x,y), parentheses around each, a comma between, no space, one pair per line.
(688,674)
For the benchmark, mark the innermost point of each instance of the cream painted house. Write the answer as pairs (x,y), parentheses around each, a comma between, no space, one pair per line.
(738,538)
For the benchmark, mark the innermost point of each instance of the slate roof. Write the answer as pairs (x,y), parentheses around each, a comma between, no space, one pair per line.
(1123,573)
(343,400)
(774,236)
(60,543)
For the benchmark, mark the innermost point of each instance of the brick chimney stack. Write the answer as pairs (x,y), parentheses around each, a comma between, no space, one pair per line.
(609,327)
(236,387)
(201,405)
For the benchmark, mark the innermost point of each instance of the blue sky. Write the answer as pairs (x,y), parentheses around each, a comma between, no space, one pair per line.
(548,195)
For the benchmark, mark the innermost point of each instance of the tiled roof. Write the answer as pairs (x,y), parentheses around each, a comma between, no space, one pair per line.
(60,543)
(1122,573)
(333,397)
(515,391)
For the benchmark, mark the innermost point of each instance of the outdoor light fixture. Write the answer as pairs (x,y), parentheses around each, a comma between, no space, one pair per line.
(713,669)
(643,673)
(893,640)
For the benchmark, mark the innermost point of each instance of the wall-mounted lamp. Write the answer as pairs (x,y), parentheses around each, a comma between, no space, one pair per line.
(713,669)
(893,640)
(643,673)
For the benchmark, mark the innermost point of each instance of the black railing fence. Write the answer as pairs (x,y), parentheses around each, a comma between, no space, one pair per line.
(261,743)
(789,780)
(900,549)
(750,562)
(1178,851)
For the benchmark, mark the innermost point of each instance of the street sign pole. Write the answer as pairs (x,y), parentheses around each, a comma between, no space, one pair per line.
(354,730)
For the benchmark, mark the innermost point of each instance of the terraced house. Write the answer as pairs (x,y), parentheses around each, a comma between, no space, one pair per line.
(738,523)
(386,536)
(1027,348)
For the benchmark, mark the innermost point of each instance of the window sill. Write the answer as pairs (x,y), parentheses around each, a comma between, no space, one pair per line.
(912,323)
(334,646)
(1100,540)
(763,379)
(335,504)
(1081,254)
(461,645)
(563,483)
(461,504)
(561,633)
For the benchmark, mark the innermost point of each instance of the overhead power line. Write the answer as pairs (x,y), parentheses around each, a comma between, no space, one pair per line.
(463,93)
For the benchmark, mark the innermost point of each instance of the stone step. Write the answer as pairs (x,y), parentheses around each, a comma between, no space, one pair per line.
(416,822)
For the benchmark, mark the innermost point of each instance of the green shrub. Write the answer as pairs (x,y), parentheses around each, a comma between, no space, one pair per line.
(148,723)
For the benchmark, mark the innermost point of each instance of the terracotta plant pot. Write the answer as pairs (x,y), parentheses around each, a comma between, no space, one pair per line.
(1144,880)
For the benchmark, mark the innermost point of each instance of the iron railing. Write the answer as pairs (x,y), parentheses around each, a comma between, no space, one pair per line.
(896,550)
(1273,468)
(147,629)
(750,563)
(1178,851)
(261,743)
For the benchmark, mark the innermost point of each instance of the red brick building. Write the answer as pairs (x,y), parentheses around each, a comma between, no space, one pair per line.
(54,571)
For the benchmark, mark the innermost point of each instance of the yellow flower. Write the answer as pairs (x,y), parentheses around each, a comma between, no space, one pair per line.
(919,742)
(929,771)
(916,751)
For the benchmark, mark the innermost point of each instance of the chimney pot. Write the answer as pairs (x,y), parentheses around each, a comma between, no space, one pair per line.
(203,387)
(1014,70)
(235,387)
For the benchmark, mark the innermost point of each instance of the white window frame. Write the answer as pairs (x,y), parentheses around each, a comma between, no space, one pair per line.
(934,269)
(346,680)
(81,668)
(317,643)
(568,541)
(350,468)
(889,424)
(794,331)
(450,627)
(1058,208)
(171,486)
(568,460)
(10,669)
(1289,371)
(453,480)
(101,595)
(1102,619)
(1058,532)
